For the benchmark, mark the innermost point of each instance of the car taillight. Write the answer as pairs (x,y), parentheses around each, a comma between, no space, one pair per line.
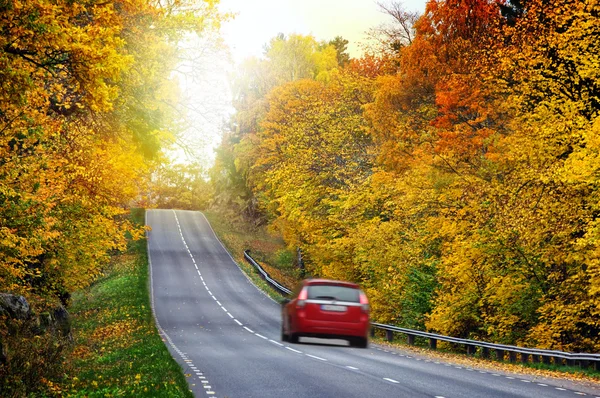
(364,303)
(302,298)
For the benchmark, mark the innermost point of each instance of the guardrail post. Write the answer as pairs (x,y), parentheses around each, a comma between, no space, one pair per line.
(389,335)
(432,343)
(584,364)
(597,366)
(524,357)
(485,352)
(557,361)
(499,354)
(546,359)
(410,339)
(372,331)
(471,349)
(512,356)
(535,358)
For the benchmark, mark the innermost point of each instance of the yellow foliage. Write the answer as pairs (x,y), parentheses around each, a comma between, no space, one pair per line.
(82,116)
(461,192)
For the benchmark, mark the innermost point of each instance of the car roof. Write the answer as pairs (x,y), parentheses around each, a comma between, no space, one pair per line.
(320,281)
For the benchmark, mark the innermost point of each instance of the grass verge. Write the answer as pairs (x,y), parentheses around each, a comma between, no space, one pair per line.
(117,349)
(573,373)
(268,250)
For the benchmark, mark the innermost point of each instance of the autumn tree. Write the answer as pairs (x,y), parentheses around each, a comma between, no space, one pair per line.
(312,150)
(83,112)
(513,270)
(390,37)
(181,186)
(286,59)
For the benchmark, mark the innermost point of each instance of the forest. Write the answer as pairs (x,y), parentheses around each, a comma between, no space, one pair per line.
(452,170)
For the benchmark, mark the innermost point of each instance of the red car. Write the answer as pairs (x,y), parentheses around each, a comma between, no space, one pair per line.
(327,309)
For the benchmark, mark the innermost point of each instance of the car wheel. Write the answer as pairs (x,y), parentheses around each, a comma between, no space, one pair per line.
(360,342)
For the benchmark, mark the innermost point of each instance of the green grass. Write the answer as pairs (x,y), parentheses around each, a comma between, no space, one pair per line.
(117,349)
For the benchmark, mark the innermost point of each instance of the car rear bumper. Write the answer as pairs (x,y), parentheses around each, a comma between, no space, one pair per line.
(315,328)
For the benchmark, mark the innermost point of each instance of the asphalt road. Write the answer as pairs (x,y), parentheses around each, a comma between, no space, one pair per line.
(225,333)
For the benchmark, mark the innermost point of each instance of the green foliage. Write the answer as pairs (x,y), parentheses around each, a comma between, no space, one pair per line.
(341,45)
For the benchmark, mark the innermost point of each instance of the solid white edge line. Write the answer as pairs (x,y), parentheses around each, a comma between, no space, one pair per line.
(161,331)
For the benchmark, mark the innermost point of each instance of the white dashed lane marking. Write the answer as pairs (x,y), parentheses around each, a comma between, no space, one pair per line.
(316,357)
(391,380)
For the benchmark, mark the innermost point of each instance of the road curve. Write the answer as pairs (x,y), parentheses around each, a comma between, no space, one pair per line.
(225,333)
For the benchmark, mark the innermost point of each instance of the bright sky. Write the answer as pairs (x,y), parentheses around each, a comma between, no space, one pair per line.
(258,21)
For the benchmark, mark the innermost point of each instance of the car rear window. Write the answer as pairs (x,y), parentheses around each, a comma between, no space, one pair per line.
(332,292)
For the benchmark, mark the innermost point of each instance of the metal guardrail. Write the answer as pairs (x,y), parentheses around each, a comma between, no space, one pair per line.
(536,355)
(280,288)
